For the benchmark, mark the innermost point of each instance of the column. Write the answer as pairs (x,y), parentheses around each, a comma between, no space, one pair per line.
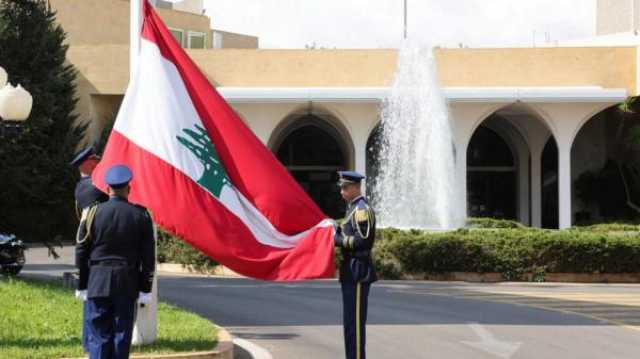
(536,188)
(564,185)
(461,174)
(360,155)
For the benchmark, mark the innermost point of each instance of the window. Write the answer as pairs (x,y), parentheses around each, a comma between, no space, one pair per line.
(197,40)
(178,35)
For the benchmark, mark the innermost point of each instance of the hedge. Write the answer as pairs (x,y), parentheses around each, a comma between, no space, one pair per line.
(512,252)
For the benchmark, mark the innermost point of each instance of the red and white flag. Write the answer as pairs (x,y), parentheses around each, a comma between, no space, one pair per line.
(205,176)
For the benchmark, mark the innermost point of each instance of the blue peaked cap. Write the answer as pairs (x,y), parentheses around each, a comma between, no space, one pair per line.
(118,176)
(346,177)
(82,156)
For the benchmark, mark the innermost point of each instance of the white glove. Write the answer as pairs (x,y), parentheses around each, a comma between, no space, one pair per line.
(144,298)
(82,295)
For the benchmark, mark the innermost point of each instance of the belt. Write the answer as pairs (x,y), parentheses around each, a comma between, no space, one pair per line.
(359,254)
(111,263)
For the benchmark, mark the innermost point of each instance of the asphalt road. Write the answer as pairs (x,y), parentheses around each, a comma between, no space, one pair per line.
(412,319)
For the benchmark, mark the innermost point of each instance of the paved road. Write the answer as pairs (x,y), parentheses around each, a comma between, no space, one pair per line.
(419,319)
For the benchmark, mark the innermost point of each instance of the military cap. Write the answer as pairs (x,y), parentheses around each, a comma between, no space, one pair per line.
(349,177)
(82,156)
(118,176)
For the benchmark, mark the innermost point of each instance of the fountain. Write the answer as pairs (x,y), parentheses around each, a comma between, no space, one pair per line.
(416,184)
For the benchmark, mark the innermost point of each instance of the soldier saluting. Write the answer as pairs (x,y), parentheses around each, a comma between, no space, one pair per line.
(116,258)
(355,237)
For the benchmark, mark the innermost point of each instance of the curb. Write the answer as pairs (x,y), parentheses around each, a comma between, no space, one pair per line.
(255,351)
(176,268)
(223,350)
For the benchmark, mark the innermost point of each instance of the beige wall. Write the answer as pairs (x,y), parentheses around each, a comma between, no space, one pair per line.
(606,67)
(231,40)
(106,67)
(617,16)
(83,27)
(297,68)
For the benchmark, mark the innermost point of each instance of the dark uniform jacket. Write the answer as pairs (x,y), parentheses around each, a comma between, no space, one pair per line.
(356,237)
(87,194)
(118,256)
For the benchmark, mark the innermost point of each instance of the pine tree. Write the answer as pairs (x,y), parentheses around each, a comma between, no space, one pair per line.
(36,183)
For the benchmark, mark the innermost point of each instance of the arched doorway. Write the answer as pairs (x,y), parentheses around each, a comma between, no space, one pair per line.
(605,166)
(313,150)
(491,176)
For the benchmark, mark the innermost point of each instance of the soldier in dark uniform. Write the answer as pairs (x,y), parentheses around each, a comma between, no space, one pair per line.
(116,257)
(86,195)
(355,236)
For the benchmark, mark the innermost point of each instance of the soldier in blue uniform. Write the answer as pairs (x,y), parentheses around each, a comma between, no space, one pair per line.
(116,258)
(356,237)
(86,195)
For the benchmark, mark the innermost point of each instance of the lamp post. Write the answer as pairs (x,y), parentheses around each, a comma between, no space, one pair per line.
(15,102)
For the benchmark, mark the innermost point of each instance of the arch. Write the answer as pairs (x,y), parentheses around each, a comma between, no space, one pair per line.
(586,119)
(322,118)
(537,113)
(605,168)
(510,133)
(374,126)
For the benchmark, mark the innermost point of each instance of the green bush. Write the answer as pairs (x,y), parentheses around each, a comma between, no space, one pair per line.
(173,250)
(611,227)
(474,222)
(515,253)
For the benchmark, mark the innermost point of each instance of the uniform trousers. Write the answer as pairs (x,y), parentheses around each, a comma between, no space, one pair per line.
(111,322)
(355,299)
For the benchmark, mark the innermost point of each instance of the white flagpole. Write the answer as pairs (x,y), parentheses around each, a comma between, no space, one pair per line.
(134,35)
(145,329)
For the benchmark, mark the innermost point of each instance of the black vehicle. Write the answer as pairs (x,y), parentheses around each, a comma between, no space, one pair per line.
(11,254)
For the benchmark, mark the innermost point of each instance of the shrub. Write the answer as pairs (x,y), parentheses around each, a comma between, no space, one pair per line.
(173,250)
(516,253)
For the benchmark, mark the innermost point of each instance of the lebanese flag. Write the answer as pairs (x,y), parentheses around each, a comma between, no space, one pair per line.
(205,176)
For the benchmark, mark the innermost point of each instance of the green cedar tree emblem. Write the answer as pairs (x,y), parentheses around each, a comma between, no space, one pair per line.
(214,177)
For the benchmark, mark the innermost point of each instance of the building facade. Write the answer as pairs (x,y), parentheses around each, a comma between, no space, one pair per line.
(528,123)
(616,16)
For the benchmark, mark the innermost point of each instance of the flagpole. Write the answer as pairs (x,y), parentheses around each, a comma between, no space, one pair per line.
(404,37)
(145,329)
(134,35)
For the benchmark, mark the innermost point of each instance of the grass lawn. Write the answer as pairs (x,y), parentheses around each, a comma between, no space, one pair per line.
(43,320)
